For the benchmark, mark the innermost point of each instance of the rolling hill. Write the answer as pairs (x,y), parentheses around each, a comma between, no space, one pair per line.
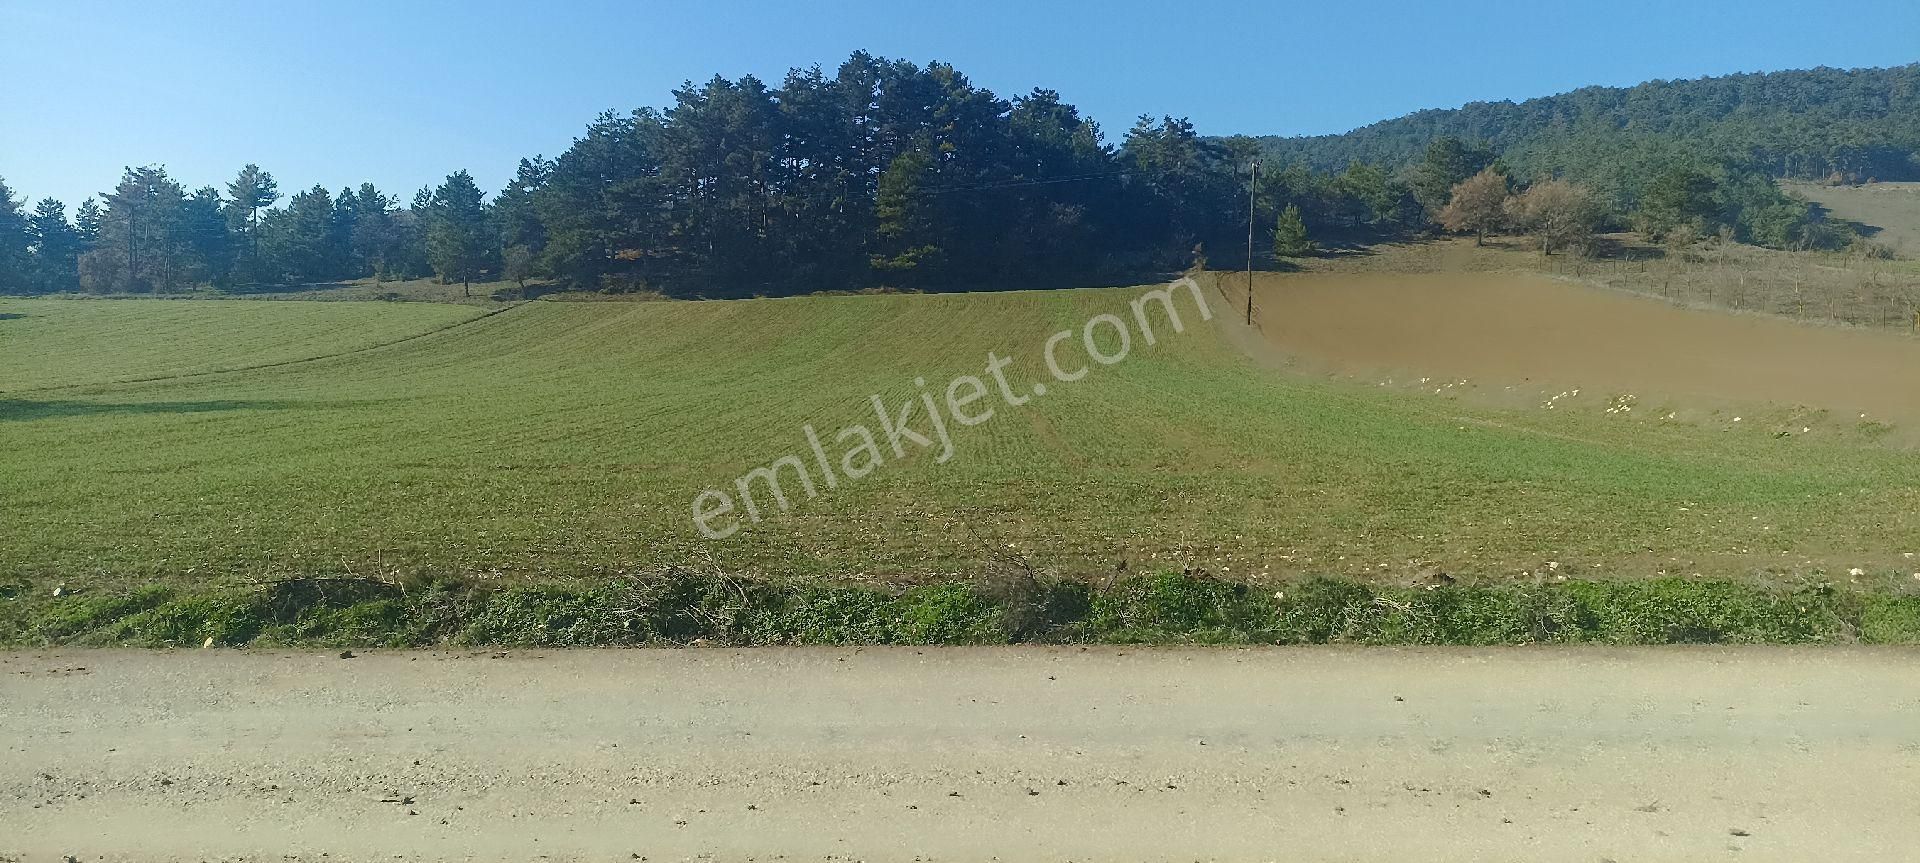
(1856,123)
(557,439)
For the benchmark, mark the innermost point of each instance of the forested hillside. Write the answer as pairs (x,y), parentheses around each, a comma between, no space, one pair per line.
(1858,124)
(1834,125)
(885,173)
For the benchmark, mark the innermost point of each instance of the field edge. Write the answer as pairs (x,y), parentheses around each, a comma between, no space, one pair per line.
(687,608)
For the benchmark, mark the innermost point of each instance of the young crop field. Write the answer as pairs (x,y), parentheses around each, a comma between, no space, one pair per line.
(49,344)
(552,441)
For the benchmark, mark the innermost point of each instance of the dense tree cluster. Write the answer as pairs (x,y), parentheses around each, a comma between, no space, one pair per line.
(883,173)
(886,173)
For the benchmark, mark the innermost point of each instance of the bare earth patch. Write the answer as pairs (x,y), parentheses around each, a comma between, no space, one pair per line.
(1540,337)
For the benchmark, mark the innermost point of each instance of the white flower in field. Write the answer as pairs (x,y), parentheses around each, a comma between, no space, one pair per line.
(1856,571)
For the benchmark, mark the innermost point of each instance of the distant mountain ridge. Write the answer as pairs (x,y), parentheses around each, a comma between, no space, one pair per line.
(1849,124)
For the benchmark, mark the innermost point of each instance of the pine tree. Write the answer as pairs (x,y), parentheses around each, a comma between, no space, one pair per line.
(1448,161)
(460,242)
(346,214)
(15,274)
(904,222)
(249,193)
(56,248)
(1290,235)
(298,241)
(374,237)
(1679,197)
(522,236)
(86,223)
(207,246)
(513,210)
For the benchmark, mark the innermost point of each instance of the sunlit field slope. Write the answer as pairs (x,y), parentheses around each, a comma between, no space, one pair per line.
(53,343)
(556,439)
(1891,211)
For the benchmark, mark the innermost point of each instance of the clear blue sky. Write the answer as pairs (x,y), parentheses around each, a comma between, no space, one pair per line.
(401,92)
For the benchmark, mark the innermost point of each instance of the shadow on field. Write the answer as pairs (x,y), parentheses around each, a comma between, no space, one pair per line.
(1820,213)
(23,409)
(1614,249)
(529,292)
(272,288)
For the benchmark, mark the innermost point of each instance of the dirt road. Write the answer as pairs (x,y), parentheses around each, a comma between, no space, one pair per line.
(961,754)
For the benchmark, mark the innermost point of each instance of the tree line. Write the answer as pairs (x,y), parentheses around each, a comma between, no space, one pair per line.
(149,234)
(882,174)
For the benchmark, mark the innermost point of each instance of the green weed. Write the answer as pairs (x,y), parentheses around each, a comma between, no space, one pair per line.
(678,608)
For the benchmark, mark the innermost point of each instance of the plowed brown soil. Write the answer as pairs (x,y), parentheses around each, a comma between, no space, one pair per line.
(1533,335)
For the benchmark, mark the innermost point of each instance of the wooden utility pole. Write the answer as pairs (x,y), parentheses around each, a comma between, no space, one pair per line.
(132,269)
(1253,183)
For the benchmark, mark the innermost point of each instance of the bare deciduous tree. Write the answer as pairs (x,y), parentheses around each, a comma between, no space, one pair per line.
(1478,204)
(1561,214)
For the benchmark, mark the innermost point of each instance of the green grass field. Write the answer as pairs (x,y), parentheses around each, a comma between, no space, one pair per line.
(63,343)
(555,441)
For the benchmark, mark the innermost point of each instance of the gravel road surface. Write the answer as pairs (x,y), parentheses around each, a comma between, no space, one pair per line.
(1013,754)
